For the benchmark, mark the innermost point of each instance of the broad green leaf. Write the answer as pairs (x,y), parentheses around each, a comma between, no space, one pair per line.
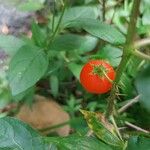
(30,6)
(80,12)
(75,69)
(99,29)
(142,83)
(76,142)
(26,68)
(146,17)
(102,129)
(69,42)
(111,54)
(138,143)
(10,44)
(54,84)
(38,35)
(16,135)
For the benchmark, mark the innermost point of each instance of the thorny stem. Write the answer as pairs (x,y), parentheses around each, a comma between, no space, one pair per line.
(127,52)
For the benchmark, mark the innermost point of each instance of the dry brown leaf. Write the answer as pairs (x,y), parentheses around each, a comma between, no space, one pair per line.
(43,114)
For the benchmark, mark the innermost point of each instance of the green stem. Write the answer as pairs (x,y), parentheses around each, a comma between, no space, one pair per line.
(103,7)
(58,25)
(127,52)
(55,126)
(53,18)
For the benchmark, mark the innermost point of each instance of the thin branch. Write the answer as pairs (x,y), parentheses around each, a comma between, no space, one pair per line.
(116,128)
(136,127)
(103,9)
(55,126)
(141,55)
(142,42)
(129,104)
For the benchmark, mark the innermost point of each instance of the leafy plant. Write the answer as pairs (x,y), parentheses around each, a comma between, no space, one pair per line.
(50,63)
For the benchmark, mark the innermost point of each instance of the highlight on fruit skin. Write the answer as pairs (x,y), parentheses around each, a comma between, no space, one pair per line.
(97,76)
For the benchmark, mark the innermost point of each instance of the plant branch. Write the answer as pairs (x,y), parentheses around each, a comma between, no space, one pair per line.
(127,52)
(129,104)
(142,42)
(141,55)
(136,127)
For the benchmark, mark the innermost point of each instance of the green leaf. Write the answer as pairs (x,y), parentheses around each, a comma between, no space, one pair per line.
(10,44)
(54,84)
(99,29)
(146,17)
(16,135)
(30,6)
(144,29)
(75,69)
(138,143)
(103,129)
(26,68)
(38,35)
(69,42)
(134,66)
(80,12)
(77,142)
(142,83)
(126,85)
(111,54)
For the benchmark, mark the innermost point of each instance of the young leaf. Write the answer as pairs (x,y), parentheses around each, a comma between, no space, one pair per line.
(38,35)
(54,84)
(75,69)
(111,54)
(142,83)
(15,134)
(102,128)
(26,68)
(10,44)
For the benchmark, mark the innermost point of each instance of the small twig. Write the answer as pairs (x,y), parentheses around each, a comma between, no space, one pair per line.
(142,42)
(136,127)
(141,55)
(129,104)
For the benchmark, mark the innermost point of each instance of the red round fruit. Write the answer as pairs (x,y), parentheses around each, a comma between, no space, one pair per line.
(96,76)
